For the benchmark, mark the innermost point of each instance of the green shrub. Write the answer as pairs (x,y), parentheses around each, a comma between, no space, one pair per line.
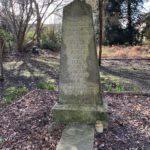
(7,37)
(111,86)
(11,93)
(119,88)
(51,40)
(29,36)
(46,85)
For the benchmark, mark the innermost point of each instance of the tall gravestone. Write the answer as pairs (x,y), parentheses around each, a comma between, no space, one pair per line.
(80,96)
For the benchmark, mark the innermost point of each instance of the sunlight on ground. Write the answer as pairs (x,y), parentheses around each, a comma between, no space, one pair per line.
(12,65)
(117,84)
(126,52)
(38,72)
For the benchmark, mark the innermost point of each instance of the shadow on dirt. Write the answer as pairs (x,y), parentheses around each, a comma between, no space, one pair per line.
(29,73)
(139,77)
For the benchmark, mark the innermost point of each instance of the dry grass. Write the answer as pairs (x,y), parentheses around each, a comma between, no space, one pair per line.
(126,52)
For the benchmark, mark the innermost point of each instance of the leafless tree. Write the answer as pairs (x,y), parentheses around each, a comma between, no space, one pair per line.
(44,9)
(101,29)
(1,69)
(1,60)
(20,13)
(17,13)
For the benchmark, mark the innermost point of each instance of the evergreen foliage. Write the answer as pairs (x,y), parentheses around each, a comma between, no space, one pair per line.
(122,17)
(147,28)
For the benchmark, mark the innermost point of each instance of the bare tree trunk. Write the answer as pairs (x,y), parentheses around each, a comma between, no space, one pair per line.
(1,61)
(130,29)
(43,13)
(101,29)
(38,31)
(1,70)
(38,23)
(20,42)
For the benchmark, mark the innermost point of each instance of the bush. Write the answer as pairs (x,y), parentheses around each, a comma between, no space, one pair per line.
(147,27)
(29,36)
(7,37)
(118,36)
(51,40)
(47,85)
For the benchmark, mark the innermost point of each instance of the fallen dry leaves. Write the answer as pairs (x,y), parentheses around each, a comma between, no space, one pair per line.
(24,125)
(129,124)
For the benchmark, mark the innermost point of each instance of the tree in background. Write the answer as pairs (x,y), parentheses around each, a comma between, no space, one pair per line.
(98,7)
(146,20)
(2,42)
(5,38)
(122,17)
(43,10)
(22,15)
(1,60)
(17,13)
(113,28)
(1,66)
(131,13)
(100,29)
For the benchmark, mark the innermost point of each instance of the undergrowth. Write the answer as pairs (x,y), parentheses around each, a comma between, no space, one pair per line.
(12,93)
(46,85)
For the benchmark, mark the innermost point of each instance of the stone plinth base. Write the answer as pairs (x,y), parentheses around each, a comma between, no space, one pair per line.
(66,113)
(77,137)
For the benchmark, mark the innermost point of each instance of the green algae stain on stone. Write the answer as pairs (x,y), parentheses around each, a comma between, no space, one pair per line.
(79,78)
(79,83)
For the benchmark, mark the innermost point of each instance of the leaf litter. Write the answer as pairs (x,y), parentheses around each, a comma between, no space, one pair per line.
(25,124)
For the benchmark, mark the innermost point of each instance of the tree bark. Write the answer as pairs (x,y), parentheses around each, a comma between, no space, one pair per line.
(1,61)
(20,44)
(130,28)
(101,29)
(38,23)
(38,31)
(18,14)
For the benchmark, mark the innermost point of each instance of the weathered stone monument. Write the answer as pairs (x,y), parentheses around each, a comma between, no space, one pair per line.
(80,96)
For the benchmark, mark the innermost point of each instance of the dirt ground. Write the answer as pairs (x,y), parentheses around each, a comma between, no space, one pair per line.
(28,70)
(133,74)
(129,124)
(24,125)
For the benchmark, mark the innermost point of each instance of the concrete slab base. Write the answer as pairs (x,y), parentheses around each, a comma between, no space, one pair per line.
(77,137)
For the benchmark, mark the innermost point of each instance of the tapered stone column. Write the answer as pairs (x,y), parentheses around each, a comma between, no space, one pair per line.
(80,97)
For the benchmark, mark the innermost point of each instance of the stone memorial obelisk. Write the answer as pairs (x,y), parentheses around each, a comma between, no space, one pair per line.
(80,96)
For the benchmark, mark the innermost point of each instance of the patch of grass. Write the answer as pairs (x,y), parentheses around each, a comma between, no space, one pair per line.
(47,85)
(26,73)
(119,88)
(11,93)
(29,74)
(125,52)
(115,84)
(110,86)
